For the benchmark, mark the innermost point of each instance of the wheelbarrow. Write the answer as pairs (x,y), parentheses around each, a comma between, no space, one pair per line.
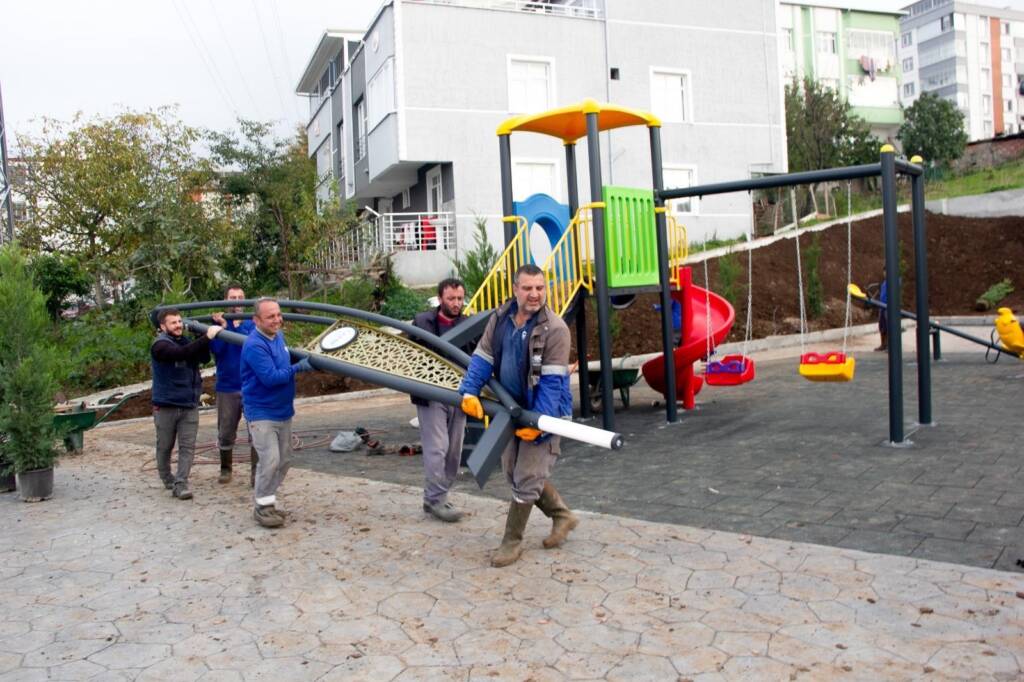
(74,423)
(623,379)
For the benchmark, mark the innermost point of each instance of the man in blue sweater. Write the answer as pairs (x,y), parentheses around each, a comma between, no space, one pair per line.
(268,397)
(229,381)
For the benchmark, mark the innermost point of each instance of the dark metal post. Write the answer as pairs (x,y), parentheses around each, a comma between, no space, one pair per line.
(892,280)
(936,346)
(924,367)
(601,274)
(505,159)
(661,226)
(581,307)
(6,191)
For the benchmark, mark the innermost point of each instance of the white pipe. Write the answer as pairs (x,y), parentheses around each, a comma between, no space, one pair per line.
(580,432)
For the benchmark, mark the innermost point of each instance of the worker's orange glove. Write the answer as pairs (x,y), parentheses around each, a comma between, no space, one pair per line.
(471,406)
(528,433)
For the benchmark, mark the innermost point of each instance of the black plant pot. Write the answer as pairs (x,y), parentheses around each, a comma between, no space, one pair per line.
(7,483)
(36,485)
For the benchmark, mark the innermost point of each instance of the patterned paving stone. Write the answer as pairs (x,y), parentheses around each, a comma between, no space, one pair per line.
(408,599)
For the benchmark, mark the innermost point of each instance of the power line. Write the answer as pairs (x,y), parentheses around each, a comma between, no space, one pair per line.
(270,59)
(225,96)
(234,59)
(284,51)
(209,54)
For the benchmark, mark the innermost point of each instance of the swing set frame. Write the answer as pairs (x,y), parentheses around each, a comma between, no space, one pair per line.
(887,169)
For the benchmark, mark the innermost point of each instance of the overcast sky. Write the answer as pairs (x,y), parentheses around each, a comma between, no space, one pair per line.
(216,59)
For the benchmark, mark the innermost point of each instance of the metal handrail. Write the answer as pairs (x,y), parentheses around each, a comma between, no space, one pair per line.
(678,248)
(568,267)
(497,286)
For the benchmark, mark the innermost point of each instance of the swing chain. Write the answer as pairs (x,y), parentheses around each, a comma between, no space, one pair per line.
(800,290)
(849,260)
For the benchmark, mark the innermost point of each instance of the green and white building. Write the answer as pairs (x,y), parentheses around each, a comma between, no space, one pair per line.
(851,48)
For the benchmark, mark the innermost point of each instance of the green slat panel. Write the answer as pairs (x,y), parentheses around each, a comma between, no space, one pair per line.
(631,245)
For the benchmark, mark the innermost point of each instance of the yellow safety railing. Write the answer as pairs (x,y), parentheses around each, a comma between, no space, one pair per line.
(678,248)
(568,268)
(497,286)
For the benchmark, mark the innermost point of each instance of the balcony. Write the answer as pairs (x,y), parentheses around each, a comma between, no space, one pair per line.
(579,9)
(421,245)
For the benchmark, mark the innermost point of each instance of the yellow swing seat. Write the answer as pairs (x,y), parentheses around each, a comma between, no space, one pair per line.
(832,366)
(1010,334)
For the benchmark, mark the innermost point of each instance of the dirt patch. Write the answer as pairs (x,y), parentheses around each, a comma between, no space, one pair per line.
(965,257)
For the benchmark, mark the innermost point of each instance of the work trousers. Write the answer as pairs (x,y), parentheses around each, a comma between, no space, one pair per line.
(273,443)
(442,428)
(179,424)
(527,465)
(229,413)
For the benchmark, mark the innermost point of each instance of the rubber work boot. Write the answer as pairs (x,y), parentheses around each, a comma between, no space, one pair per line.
(254,459)
(512,544)
(225,466)
(563,521)
(267,516)
(181,491)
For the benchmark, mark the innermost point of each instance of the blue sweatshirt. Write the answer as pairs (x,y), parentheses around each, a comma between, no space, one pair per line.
(229,357)
(268,379)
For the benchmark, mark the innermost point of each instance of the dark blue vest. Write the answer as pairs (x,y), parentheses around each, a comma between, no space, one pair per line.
(175,384)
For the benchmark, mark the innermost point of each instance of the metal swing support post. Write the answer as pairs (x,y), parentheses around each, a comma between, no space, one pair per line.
(887,168)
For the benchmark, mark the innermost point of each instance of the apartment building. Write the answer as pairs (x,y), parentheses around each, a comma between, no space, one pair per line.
(849,47)
(972,55)
(403,116)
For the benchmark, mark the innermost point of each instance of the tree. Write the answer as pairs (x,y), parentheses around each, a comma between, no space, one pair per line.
(117,193)
(934,128)
(279,179)
(822,132)
(58,278)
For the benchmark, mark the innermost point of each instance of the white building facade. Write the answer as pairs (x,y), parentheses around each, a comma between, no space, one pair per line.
(415,103)
(972,55)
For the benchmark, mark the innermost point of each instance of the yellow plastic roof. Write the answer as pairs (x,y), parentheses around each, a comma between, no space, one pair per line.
(570,123)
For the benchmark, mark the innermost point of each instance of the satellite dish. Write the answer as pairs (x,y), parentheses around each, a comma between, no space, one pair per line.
(338,339)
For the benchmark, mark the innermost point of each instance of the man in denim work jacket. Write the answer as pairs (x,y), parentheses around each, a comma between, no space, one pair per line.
(526,346)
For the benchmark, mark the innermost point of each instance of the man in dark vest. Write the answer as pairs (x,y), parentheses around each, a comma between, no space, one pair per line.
(176,389)
(442,426)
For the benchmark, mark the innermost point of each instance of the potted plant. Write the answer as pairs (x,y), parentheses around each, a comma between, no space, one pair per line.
(28,369)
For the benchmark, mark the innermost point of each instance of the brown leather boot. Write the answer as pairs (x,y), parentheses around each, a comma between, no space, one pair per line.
(225,466)
(512,544)
(563,520)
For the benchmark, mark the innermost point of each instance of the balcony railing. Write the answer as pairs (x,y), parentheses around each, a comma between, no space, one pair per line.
(580,9)
(387,233)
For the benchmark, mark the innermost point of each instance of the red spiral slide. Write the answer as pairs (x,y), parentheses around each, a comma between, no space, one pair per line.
(698,307)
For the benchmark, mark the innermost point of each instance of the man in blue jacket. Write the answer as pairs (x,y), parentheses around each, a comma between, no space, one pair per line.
(177,385)
(228,357)
(268,397)
(526,346)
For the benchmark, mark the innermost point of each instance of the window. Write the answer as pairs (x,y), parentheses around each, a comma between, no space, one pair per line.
(987,127)
(1006,28)
(534,176)
(908,89)
(677,177)
(530,84)
(380,94)
(435,191)
(946,23)
(986,80)
(341,156)
(406,198)
(670,95)
(1006,54)
(787,39)
(985,52)
(986,104)
(1007,81)
(1009,104)
(908,64)
(879,45)
(360,129)
(907,39)
(826,41)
